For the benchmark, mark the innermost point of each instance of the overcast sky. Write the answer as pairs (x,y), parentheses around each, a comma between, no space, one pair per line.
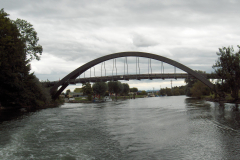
(73,33)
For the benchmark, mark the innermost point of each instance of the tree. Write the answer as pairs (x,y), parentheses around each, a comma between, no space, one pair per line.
(78,90)
(169,91)
(115,87)
(190,83)
(143,93)
(67,92)
(34,94)
(199,89)
(100,88)
(162,92)
(29,36)
(86,88)
(227,67)
(182,90)
(176,91)
(13,69)
(125,89)
(134,89)
(18,88)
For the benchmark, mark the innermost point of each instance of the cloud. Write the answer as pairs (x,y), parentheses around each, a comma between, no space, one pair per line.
(73,33)
(143,41)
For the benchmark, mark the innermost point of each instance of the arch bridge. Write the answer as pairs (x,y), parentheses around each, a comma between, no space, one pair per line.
(71,77)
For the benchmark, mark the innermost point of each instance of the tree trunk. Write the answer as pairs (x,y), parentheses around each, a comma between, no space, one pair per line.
(235,93)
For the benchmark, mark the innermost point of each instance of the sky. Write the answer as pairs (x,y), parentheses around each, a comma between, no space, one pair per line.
(73,33)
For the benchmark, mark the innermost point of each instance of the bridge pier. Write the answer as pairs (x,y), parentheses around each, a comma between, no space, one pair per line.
(55,96)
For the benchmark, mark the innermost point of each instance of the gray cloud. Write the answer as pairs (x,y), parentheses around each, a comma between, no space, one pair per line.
(75,32)
(143,41)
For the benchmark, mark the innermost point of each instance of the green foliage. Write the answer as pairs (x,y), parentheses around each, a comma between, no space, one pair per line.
(18,88)
(162,92)
(182,90)
(87,88)
(169,92)
(3,13)
(175,91)
(115,87)
(227,67)
(89,97)
(80,98)
(29,36)
(125,88)
(67,92)
(143,93)
(139,96)
(166,91)
(100,88)
(190,82)
(34,93)
(12,61)
(134,89)
(77,90)
(199,89)
(106,93)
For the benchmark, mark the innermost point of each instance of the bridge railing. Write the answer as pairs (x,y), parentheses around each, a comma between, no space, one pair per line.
(132,77)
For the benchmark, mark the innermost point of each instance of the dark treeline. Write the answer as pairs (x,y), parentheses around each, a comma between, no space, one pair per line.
(104,89)
(227,67)
(195,88)
(175,91)
(18,46)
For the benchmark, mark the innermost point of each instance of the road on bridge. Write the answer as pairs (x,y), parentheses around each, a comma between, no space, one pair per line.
(133,77)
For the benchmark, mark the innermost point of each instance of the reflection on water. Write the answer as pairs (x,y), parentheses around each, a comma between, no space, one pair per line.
(149,128)
(225,114)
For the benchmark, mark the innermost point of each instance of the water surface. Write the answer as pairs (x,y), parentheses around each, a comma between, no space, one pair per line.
(149,128)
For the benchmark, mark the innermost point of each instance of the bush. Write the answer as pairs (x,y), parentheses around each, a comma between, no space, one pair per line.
(89,97)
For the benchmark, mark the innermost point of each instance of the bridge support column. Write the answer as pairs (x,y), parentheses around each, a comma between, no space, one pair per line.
(55,96)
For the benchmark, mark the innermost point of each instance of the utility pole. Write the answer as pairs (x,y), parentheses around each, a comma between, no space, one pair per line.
(171,85)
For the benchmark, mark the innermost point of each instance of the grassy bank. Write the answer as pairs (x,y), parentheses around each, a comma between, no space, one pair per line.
(85,100)
(228,99)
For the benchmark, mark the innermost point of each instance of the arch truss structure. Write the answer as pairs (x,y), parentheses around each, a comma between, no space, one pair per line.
(74,74)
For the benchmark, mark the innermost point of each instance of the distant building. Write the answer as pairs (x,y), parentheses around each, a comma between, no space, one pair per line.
(78,90)
(74,94)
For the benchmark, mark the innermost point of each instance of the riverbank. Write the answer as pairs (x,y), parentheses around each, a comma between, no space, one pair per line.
(221,100)
(52,104)
(228,99)
(81,100)
(9,113)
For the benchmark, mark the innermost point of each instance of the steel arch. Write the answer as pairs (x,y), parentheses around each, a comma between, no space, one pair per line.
(74,74)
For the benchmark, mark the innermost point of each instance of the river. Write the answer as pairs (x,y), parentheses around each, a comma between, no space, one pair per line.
(175,127)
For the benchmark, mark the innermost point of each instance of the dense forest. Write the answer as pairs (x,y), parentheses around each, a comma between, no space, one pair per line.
(18,46)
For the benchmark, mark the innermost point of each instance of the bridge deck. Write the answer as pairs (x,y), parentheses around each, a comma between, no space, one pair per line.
(133,77)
